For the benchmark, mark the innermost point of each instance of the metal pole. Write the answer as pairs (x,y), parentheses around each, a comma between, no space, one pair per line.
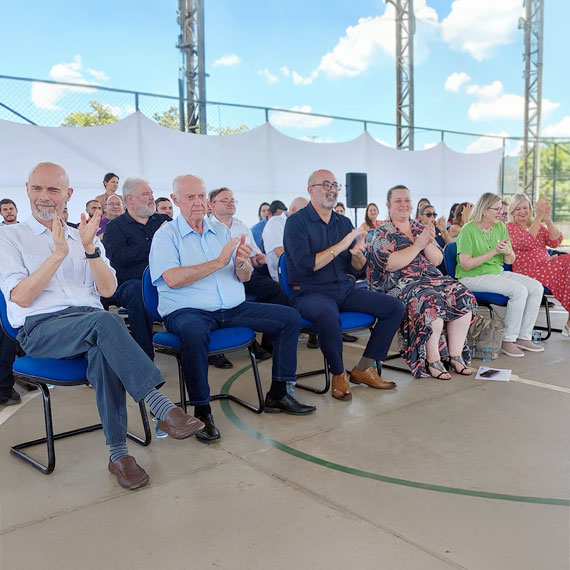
(202,69)
(137,102)
(503,169)
(554,172)
(181,118)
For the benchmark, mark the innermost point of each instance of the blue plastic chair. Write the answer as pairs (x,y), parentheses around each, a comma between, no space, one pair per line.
(221,341)
(349,322)
(484,298)
(42,372)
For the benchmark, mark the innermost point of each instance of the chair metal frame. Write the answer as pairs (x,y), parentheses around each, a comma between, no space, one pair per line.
(168,346)
(43,382)
(308,327)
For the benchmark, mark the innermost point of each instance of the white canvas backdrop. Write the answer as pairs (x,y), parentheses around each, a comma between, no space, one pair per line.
(259,165)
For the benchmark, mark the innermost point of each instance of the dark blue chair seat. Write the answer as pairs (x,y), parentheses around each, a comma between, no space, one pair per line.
(349,322)
(221,341)
(41,372)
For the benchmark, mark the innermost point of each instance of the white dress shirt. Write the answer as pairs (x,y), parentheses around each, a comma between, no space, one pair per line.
(272,238)
(23,249)
(236,230)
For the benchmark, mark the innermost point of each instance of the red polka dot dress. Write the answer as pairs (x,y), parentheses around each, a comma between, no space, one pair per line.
(533,260)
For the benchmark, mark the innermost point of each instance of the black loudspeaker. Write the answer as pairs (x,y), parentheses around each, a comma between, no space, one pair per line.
(356,190)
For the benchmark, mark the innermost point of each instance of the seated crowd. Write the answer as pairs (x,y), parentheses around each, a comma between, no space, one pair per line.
(212,271)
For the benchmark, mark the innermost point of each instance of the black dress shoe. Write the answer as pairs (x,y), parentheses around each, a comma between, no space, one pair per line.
(259,352)
(209,433)
(220,361)
(287,404)
(349,338)
(313,341)
(10,397)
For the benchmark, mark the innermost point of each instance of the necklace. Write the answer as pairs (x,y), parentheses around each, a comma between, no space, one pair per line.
(488,236)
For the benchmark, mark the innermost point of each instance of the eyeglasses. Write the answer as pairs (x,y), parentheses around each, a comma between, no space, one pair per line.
(495,209)
(328,185)
(431,214)
(226,201)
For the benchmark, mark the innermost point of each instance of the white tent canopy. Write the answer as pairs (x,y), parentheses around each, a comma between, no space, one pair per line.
(258,165)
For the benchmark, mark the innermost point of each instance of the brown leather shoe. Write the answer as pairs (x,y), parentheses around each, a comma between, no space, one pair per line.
(179,425)
(371,378)
(340,388)
(129,473)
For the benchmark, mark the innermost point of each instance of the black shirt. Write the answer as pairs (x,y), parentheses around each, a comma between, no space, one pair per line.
(305,235)
(127,244)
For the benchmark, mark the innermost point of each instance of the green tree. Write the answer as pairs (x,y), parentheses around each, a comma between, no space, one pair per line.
(100,114)
(171,119)
(556,178)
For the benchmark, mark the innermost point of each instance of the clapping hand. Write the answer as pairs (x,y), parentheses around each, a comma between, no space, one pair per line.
(227,251)
(61,249)
(360,247)
(426,236)
(543,209)
(243,251)
(88,229)
(441,224)
(503,247)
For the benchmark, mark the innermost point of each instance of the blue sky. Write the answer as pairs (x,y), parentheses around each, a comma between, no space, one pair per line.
(332,57)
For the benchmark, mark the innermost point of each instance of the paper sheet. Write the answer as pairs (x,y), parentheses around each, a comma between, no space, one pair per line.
(503,375)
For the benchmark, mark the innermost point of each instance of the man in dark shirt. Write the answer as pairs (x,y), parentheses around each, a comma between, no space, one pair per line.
(127,240)
(321,247)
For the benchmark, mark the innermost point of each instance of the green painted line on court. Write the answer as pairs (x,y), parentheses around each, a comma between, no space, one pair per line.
(232,416)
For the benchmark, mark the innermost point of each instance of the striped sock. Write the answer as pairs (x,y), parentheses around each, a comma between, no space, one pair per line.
(159,405)
(117,451)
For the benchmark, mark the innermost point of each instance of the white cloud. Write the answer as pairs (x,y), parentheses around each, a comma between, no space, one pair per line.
(227,60)
(561,129)
(478,26)
(300,80)
(268,76)
(285,70)
(485,144)
(456,80)
(98,75)
(297,121)
(495,104)
(46,96)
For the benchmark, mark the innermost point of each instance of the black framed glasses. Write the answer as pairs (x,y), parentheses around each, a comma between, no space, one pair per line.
(329,185)
(431,214)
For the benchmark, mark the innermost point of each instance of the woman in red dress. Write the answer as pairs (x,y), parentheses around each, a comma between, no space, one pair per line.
(530,236)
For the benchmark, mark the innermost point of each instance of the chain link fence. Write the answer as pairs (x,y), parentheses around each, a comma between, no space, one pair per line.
(51,103)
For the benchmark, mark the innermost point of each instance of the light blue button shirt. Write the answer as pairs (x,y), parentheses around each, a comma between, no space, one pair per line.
(176,244)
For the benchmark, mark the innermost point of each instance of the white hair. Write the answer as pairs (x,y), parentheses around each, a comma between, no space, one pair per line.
(131,184)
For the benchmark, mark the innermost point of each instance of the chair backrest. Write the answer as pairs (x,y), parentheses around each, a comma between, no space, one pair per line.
(150,296)
(282,270)
(450,258)
(8,328)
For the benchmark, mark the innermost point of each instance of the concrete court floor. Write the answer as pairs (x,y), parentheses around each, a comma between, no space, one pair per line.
(435,475)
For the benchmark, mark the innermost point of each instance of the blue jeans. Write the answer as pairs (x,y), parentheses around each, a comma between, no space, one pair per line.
(194,326)
(129,295)
(116,363)
(321,305)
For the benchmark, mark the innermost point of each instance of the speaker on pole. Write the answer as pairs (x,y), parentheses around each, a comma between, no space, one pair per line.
(356,190)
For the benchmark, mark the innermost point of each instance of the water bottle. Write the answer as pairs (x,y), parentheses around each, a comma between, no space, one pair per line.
(159,433)
(290,388)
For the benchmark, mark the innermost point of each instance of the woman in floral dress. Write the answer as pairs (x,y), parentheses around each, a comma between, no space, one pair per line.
(530,237)
(402,263)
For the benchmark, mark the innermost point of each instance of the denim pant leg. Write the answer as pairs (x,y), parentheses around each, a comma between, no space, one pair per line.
(115,361)
(194,326)
(388,310)
(322,310)
(129,295)
(7,356)
(282,322)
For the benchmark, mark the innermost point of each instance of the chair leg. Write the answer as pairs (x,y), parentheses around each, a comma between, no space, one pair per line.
(146,426)
(50,438)
(324,371)
(548,327)
(261,404)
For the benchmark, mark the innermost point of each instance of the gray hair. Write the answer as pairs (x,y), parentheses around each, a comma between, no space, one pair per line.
(131,184)
(515,203)
(176,182)
(484,202)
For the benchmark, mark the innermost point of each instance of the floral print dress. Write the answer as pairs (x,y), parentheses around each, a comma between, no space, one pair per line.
(426,293)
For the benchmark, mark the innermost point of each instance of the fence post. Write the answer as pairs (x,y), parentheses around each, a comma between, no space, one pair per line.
(266,115)
(365,126)
(554,171)
(503,169)
(137,102)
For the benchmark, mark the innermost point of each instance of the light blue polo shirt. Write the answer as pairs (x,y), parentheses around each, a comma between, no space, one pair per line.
(176,244)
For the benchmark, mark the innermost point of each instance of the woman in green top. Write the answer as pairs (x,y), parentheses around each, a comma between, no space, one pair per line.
(482,248)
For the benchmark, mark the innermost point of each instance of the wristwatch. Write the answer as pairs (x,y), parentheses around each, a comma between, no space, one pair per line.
(94,255)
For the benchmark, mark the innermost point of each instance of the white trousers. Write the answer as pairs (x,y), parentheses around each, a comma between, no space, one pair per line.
(525,296)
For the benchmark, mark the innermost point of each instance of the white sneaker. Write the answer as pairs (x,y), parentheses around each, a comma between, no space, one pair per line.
(511,349)
(566,331)
(529,345)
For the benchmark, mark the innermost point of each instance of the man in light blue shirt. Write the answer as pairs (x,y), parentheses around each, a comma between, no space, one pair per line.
(199,270)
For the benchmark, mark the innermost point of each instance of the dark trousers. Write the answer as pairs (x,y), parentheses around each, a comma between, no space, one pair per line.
(194,326)
(129,295)
(115,362)
(7,355)
(322,304)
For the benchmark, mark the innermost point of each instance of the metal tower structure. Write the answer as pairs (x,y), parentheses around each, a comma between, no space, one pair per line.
(193,70)
(532,25)
(405,30)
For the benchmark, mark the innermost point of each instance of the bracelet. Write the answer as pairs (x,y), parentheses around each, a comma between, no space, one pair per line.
(331,251)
